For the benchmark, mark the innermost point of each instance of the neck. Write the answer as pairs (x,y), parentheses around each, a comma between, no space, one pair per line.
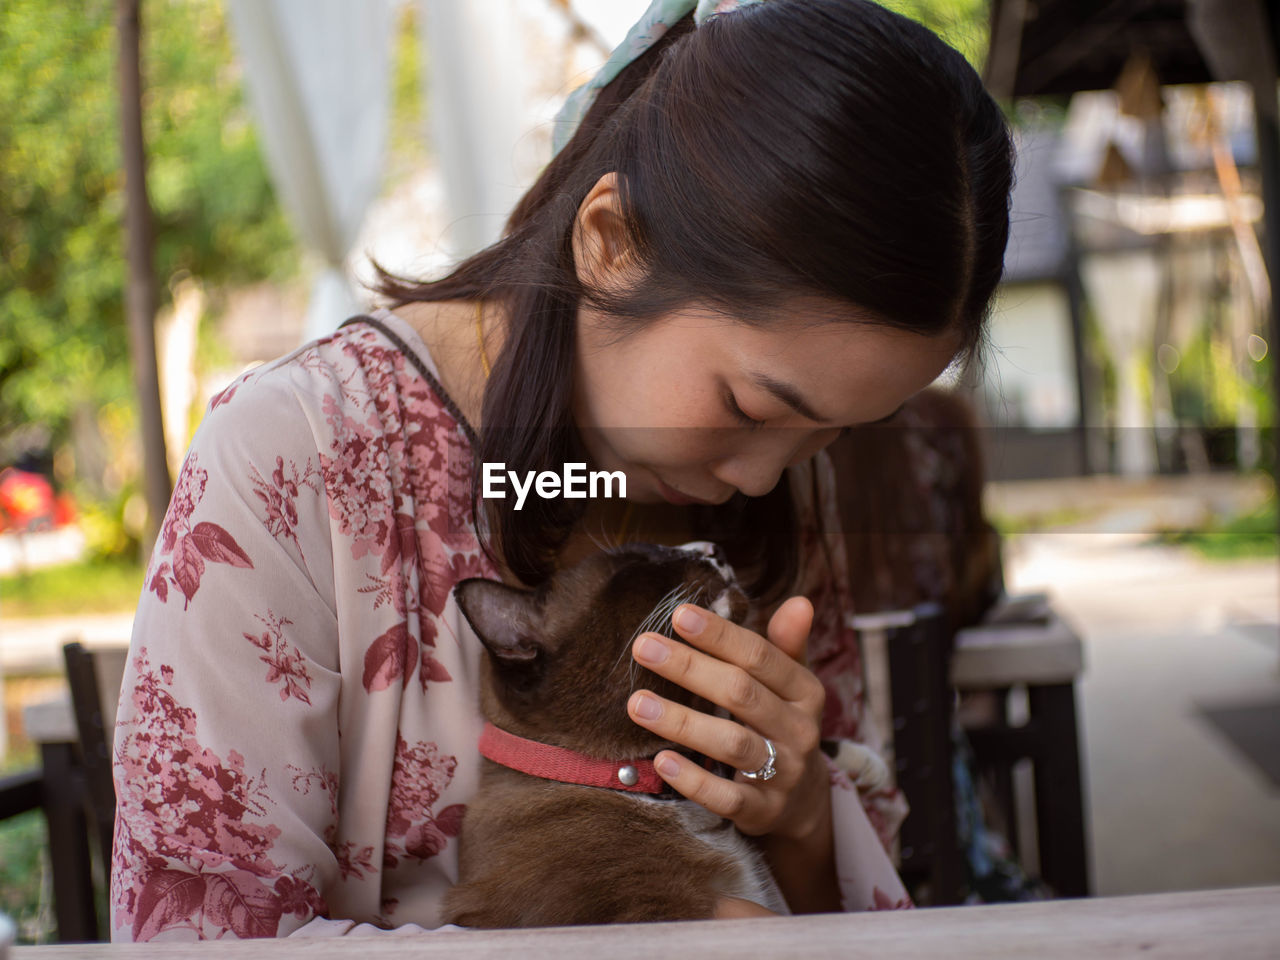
(448,328)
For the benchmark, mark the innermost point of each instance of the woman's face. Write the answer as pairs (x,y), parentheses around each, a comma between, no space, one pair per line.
(697,406)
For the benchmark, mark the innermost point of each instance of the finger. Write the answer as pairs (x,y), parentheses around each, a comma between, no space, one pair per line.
(736,908)
(725,798)
(720,739)
(724,684)
(731,643)
(789,628)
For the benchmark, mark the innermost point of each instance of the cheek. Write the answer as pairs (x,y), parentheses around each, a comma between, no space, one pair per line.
(670,447)
(824,438)
(812,444)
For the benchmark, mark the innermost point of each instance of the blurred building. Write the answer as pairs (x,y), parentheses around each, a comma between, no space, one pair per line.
(1133,327)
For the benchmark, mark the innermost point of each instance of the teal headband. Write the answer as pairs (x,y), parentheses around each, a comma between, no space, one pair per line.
(653,23)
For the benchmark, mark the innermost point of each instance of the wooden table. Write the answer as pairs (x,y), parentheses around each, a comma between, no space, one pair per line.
(1242,923)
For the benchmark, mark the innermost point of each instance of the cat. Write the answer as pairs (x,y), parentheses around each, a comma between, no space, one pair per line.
(558,670)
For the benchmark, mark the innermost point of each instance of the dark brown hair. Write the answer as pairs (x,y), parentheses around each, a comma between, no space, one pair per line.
(820,148)
(911,511)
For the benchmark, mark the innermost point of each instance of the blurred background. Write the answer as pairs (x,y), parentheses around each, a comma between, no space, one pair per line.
(1125,409)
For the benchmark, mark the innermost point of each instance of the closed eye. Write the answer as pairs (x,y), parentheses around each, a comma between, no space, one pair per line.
(844,432)
(738,414)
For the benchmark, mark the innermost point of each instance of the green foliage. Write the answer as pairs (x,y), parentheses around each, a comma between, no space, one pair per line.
(111,534)
(63,338)
(1208,386)
(408,147)
(88,586)
(1252,534)
(962,23)
(1049,518)
(22,871)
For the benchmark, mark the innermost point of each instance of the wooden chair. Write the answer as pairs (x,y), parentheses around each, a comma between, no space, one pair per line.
(914,671)
(905,656)
(74,786)
(94,676)
(61,792)
(1024,645)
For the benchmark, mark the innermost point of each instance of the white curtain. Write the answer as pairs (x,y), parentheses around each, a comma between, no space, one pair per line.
(476,86)
(318,77)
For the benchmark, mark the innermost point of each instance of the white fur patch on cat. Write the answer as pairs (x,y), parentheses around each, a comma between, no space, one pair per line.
(753,880)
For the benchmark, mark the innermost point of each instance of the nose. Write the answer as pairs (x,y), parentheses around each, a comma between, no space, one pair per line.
(754,477)
(757,472)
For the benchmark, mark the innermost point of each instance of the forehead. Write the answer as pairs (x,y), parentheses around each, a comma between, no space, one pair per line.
(852,344)
(848,366)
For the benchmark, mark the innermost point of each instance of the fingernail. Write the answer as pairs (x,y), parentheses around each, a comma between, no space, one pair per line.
(651,650)
(666,766)
(648,708)
(689,620)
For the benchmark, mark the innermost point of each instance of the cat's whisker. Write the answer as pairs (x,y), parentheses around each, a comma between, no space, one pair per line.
(659,616)
(659,621)
(598,543)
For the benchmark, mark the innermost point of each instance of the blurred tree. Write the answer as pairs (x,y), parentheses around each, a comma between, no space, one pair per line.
(409,147)
(964,24)
(63,346)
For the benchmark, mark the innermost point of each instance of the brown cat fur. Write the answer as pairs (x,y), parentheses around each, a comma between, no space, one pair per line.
(558,670)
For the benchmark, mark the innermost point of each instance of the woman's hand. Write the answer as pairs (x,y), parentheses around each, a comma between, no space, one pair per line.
(764,684)
(736,908)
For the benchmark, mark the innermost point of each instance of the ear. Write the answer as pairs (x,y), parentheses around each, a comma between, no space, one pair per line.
(602,256)
(507,621)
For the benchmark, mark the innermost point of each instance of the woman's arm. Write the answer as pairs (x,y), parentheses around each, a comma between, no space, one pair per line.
(805,866)
(226,750)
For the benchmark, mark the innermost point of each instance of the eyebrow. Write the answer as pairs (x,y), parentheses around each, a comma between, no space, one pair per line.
(787,394)
(791,397)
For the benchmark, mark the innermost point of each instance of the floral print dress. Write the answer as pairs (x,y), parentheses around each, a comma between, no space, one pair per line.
(296,739)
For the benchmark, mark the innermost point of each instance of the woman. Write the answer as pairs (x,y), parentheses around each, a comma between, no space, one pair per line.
(768,225)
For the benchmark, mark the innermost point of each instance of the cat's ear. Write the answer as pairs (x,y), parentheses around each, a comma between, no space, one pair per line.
(508,621)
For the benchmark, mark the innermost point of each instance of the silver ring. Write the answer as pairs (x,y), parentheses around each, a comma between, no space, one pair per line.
(766,771)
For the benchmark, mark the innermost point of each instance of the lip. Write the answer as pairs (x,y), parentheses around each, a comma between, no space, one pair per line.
(680,499)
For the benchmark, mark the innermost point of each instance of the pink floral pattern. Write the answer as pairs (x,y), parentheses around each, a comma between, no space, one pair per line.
(285,664)
(413,828)
(280,495)
(188,546)
(296,740)
(399,437)
(883,901)
(192,841)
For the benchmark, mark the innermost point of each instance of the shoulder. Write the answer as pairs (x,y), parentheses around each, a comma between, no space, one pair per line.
(360,378)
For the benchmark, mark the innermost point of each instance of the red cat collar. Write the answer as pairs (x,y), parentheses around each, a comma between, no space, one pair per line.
(568,766)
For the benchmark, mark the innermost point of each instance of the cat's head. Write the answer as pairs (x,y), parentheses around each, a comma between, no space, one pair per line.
(559,667)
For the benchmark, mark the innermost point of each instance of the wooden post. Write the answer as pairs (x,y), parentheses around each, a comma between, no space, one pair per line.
(140,292)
